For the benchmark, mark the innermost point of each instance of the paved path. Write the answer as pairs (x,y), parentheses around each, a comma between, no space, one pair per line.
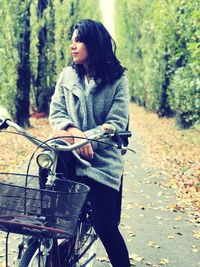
(155,232)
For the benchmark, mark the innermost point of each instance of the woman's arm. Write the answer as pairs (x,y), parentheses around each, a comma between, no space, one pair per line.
(119,112)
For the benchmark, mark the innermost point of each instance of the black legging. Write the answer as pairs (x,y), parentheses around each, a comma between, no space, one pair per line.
(105,207)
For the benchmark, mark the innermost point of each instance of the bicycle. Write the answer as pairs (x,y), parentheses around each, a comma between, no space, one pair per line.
(54,217)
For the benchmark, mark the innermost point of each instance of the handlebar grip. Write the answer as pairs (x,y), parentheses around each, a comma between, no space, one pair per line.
(124,134)
(3,123)
(121,139)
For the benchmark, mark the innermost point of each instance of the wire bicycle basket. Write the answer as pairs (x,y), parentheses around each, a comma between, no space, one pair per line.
(39,212)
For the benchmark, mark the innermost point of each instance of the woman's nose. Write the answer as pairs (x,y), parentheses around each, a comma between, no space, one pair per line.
(73,46)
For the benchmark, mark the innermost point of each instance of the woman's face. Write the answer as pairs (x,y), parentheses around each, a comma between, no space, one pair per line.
(78,50)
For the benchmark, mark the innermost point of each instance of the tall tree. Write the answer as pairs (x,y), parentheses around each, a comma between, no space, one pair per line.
(24,73)
(43,56)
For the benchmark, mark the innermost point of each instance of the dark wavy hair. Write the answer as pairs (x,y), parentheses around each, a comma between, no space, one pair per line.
(103,64)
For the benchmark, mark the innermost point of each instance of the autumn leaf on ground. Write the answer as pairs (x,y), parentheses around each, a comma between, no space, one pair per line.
(179,233)
(125,216)
(170,236)
(152,244)
(146,196)
(175,207)
(135,257)
(178,218)
(148,263)
(164,261)
(196,234)
(195,249)
(131,233)
(103,259)
(126,227)
(128,206)
(159,217)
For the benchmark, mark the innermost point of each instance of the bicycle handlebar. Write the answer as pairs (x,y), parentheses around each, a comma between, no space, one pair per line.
(108,131)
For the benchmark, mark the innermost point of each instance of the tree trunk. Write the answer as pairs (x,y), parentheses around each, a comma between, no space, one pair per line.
(46,41)
(24,72)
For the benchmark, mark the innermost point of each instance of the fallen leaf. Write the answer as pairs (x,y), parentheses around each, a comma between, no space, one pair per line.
(135,257)
(146,196)
(164,261)
(178,233)
(103,259)
(178,218)
(152,244)
(195,249)
(132,234)
(196,234)
(125,216)
(128,207)
(158,217)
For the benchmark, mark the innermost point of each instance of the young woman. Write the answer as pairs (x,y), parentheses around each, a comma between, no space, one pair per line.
(91,94)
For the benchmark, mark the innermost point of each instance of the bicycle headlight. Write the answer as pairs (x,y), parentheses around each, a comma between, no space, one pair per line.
(45,159)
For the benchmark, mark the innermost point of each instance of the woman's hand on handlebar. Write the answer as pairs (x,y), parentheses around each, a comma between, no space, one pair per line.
(61,133)
(85,151)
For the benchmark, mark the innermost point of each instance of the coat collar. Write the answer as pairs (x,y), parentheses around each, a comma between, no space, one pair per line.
(70,78)
(72,82)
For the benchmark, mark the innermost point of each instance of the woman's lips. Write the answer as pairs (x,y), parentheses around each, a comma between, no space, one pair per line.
(74,54)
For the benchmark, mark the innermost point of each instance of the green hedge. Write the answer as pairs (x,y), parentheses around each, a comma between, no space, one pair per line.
(159,42)
(8,56)
(184,93)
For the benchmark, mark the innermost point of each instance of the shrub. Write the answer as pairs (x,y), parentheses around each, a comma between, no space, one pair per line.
(184,95)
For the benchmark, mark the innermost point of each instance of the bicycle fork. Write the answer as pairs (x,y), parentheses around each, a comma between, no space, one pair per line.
(44,247)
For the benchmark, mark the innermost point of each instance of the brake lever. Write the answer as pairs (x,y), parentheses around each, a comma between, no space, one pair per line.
(120,138)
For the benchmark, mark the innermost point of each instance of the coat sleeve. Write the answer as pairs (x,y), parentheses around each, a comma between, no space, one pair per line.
(58,115)
(119,112)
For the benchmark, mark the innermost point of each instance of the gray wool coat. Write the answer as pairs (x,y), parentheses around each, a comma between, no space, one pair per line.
(72,105)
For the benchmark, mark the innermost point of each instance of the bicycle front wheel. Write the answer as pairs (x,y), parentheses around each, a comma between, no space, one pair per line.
(85,246)
(33,256)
